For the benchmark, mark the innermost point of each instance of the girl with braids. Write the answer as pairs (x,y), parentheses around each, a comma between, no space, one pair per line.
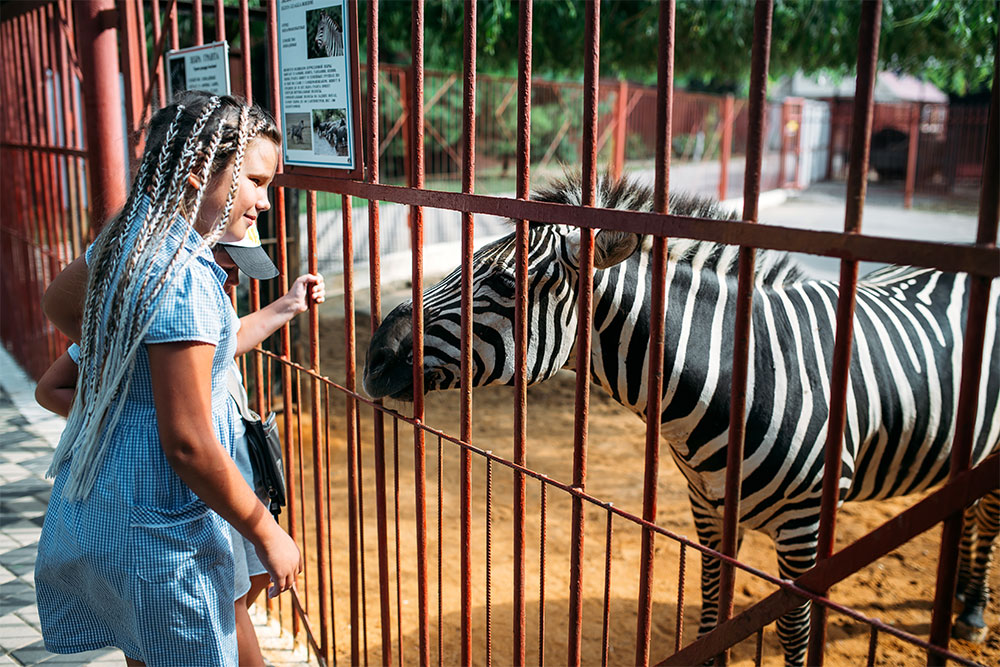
(135,551)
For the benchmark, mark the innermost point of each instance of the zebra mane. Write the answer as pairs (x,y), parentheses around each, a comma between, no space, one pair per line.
(772,267)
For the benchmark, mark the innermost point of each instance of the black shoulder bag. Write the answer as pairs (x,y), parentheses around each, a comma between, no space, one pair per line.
(266,461)
(265,449)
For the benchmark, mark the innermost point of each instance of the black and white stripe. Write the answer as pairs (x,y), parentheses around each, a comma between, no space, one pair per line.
(329,38)
(903,384)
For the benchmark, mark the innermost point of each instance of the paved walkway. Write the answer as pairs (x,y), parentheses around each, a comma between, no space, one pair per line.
(28,434)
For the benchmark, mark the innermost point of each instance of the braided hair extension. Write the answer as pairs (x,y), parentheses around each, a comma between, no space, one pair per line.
(162,208)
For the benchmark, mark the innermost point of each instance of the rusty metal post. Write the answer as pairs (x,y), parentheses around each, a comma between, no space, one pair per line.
(374,273)
(97,42)
(468,185)
(657,304)
(621,125)
(585,317)
(763,14)
(726,145)
(972,364)
(417,251)
(911,154)
(525,13)
(857,183)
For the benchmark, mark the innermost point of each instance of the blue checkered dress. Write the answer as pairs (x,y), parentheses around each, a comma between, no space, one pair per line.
(142,563)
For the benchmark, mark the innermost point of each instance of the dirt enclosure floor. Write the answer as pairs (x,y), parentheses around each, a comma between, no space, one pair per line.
(898,589)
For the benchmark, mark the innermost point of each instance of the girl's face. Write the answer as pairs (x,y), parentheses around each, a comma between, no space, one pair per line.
(259,164)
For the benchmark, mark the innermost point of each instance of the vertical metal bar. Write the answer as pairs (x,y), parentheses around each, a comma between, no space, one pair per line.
(328,482)
(131,66)
(911,154)
(374,268)
(468,227)
(972,364)
(783,143)
(161,81)
(621,127)
(39,54)
(417,250)
(361,533)
(440,552)
(520,317)
(395,502)
(282,245)
(143,59)
(353,461)
(872,645)
(585,314)
(56,134)
(763,13)
(606,624)
(245,49)
(69,126)
(541,572)
(681,572)
(489,560)
(758,658)
(726,147)
(199,23)
(220,21)
(868,40)
(654,383)
(300,457)
(319,471)
(175,33)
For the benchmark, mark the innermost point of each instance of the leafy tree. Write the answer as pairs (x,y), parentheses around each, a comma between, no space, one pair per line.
(948,42)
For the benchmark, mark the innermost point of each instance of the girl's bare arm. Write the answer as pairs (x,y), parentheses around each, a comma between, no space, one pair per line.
(182,393)
(64,298)
(56,387)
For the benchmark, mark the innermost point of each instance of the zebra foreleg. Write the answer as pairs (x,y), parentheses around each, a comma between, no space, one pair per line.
(796,554)
(709,529)
(970,624)
(970,535)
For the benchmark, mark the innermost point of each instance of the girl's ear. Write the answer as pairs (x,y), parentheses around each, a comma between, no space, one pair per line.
(194,182)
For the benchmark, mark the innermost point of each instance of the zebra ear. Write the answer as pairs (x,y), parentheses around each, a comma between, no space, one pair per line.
(612,246)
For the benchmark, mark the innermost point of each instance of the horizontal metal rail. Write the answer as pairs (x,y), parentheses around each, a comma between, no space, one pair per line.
(976,260)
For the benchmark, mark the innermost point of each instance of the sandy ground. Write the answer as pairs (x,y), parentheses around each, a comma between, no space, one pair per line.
(897,589)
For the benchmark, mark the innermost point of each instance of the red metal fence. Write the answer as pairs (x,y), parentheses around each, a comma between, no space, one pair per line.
(400,566)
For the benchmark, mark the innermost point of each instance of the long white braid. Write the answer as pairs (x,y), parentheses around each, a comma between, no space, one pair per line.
(90,418)
(119,236)
(95,346)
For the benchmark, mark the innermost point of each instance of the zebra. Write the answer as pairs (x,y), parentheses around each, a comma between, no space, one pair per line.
(295,131)
(329,38)
(902,397)
(335,132)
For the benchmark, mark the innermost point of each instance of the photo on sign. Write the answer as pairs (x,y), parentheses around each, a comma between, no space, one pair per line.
(299,131)
(178,75)
(330,126)
(324,32)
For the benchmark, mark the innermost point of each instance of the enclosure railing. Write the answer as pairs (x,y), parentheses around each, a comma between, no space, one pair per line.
(384,583)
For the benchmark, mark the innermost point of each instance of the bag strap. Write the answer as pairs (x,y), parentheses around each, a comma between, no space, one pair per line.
(234,382)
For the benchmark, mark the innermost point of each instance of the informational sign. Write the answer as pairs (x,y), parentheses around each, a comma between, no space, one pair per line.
(317,57)
(204,67)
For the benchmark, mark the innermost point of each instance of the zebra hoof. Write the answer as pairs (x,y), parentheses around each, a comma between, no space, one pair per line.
(970,633)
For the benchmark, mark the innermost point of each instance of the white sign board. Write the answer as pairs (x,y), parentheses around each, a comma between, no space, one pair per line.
(204,67)
(317,107)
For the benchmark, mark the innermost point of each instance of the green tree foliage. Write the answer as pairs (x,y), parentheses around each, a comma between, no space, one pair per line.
(948,42)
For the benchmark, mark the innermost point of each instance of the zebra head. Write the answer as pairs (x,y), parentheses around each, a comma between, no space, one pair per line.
(553,270)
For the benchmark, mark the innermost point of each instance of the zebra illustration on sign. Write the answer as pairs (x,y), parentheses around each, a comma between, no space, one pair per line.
(329,36)
(902,395)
